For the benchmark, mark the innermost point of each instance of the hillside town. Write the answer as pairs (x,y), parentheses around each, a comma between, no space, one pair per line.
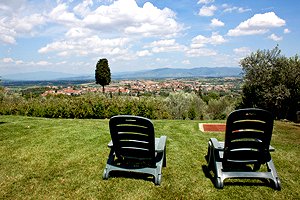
(154,87)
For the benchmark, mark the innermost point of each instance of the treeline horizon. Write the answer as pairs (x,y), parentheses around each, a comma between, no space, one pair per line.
(271,81)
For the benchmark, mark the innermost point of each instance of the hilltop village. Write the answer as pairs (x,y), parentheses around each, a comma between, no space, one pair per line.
(151,87)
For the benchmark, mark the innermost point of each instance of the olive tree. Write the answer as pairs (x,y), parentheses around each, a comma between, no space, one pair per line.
(272,82)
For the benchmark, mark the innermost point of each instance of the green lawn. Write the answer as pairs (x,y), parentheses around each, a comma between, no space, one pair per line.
(64,158)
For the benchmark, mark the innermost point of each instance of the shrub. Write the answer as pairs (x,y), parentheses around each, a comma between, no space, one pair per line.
(93,105)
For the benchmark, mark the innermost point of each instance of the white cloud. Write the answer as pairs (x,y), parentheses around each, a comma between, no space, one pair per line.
(126,16)
(143,53)
(275,37)
(258,24)
(27,23)
(8,6)
(60,14)
(162,43)
(78,32)
(216,23)
(7,36)
(165,46)
(7,60)
(200,52)
(205,1)
(89,45)
(207,10)
(230,9)
(12,27)
(201,41)
(83,8)
(43,63)
(286,30)
(186,62)
(242,51)
(242,10)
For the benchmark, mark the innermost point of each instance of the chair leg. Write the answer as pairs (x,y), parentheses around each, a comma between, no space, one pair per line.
(105,174)
(157,179)
(218,175)
(209,155)
(110,161)
(165,159)
(256,166)
(275,178)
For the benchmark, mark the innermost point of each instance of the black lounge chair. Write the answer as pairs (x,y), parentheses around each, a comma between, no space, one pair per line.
(134,147)
(246,148)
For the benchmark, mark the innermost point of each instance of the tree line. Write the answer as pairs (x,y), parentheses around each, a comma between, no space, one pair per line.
(179,105)
(271,82)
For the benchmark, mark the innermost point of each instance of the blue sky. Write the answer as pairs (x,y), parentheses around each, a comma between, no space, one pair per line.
(71,36)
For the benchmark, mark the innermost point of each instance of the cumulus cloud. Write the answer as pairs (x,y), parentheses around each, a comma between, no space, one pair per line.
(205,1)
(207,10)
(7,35)
(143,53)
(12,27)
(7,60)
(200,52)
(275,37)
(78,32)
(258,24)
(7,6)
(43,63)
(18,19)
(228,8)
(83,8)
(89,45)
(216,23)
(165,46)
(201,41)
(242,51)
(86,27)
(60,14)
(186,62)
(286,30)
(128,17)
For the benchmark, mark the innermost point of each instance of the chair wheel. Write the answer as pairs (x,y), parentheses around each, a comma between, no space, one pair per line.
(219,183)
(157,180)
(105,174)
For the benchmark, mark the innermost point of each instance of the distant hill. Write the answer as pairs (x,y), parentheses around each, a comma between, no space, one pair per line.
(181,73)
(43,76)
(143,74)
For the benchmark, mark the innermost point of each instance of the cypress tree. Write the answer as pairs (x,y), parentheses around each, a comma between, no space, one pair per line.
(102,73)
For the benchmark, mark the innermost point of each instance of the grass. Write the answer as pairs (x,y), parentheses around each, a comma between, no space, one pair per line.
(64,158)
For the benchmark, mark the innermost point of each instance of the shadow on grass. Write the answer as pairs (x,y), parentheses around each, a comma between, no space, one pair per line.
(131,175)
(238,182)
(208,174)
(297,125)
(2,123)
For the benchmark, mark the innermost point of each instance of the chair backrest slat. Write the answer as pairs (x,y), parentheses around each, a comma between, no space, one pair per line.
(133,137)
(248,135)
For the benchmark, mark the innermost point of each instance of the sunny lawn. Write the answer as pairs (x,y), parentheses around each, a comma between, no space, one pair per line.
(64,158)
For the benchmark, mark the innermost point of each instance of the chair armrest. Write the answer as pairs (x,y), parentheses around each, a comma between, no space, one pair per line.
(220,145)
(110,144)
(216,144)
(160,144)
